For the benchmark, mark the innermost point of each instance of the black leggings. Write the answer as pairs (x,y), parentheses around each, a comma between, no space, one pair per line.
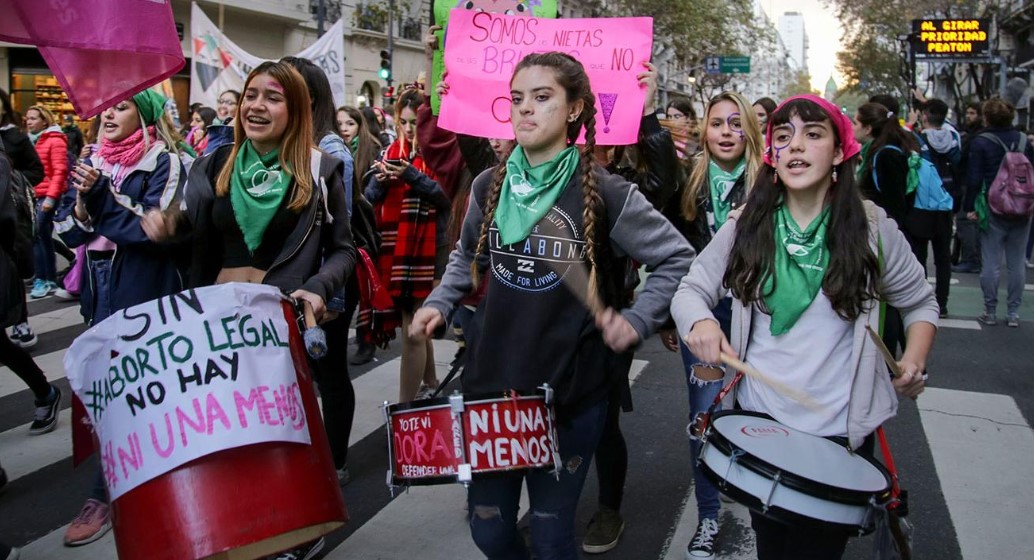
(22,364)
(612,452)
(334,383)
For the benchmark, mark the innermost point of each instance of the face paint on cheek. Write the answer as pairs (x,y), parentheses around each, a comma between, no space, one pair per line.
(780,148)
(738,129)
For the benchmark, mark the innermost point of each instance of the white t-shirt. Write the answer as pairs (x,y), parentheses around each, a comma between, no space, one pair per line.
(814,357)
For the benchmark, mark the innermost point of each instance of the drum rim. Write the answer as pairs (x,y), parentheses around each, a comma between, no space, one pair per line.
(472,398)
(790,479)
(782,514)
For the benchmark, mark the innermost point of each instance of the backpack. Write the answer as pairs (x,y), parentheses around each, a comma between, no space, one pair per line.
(365,234)
(1011,193)
(923,180)
(947,166)
(25,223)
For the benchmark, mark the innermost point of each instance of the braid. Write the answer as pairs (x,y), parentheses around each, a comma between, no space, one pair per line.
(592,201)
(490,205)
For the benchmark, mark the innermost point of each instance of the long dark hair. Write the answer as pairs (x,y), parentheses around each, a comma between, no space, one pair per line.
(370,116)
(571,76)
(851,277)
(320,94)
(367,149)
(9,116)
(886,131)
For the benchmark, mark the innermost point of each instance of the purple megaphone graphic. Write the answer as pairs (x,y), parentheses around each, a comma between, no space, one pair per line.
(607,102)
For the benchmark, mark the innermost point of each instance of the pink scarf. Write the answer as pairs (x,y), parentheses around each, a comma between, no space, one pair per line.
(129,150)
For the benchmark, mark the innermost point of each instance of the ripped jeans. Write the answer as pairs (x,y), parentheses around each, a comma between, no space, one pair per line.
(493,501)
(701,395)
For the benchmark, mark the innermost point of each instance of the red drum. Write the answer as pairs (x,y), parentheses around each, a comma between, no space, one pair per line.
(242,503)
(437,441)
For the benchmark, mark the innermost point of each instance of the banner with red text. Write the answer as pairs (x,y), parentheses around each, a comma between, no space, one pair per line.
(185,376)
(482,49)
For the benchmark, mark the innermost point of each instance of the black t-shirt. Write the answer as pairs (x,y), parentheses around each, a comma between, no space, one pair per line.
(235,251)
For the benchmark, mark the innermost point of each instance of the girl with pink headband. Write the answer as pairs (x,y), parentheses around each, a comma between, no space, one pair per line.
(807,263)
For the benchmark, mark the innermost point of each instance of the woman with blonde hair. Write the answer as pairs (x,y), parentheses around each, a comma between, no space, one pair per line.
(731,156)
(52,148)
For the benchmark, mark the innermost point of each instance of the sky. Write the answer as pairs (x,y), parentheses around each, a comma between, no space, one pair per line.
(824,31)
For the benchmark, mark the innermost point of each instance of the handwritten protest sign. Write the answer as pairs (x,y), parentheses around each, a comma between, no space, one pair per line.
(442,9)
(482,50)
(184,376)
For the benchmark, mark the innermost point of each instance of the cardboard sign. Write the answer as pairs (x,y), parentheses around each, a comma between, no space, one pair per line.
(185,376)
(442,9)
(482,50)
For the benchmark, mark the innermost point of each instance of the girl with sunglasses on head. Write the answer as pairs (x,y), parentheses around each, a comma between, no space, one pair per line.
(531,328)
(808,263)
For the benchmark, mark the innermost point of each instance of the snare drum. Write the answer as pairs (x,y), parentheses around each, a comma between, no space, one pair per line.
(453,439)
(791,476)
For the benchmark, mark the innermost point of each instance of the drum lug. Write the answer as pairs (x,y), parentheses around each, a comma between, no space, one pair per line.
(464,474)
(548,393)
(771,493)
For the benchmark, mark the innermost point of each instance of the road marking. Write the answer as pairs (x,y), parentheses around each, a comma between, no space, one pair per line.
(24,453)
(933,280)
(982,448)
(959,324)
(52,365)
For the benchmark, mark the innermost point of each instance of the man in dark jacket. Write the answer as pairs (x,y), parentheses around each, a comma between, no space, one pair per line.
(74,135)
(967,230)
(1002,234)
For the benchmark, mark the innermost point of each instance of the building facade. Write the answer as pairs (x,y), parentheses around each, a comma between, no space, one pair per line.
(791,29)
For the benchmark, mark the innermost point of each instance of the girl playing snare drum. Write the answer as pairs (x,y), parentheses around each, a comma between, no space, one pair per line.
(807,264)
(547,213)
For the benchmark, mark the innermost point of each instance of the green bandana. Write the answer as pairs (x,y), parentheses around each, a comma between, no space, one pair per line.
(354,144)
(151,106)
(257,187)
(799,267)
(722,182)
(529,192)
(860,169)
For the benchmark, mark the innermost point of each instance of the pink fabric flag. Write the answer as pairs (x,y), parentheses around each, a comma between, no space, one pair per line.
(482,49)
(100,51)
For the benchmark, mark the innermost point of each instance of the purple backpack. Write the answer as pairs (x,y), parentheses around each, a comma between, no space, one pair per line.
(1011,194)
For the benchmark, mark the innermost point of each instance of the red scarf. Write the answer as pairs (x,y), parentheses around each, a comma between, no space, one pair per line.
(407,224)
(129,150)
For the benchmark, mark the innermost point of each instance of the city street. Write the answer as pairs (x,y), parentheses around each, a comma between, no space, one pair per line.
(963,450)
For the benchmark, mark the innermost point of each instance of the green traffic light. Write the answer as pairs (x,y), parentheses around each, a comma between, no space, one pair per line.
(384,73)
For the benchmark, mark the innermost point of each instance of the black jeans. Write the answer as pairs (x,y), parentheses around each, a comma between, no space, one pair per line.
(22,364)
(336,390)
(776,541)
(612,455)
(940,238)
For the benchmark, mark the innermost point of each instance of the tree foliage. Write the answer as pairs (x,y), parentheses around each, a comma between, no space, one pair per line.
(801,84)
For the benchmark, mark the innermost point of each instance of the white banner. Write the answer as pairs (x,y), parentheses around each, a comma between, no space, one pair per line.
(218,64)
(184,376)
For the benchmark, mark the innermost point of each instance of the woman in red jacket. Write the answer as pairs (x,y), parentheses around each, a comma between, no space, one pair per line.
(52,147)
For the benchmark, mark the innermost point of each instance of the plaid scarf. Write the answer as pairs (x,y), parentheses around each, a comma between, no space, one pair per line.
(407,224)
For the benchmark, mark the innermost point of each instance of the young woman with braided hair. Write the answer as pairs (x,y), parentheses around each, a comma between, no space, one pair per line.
(549,213)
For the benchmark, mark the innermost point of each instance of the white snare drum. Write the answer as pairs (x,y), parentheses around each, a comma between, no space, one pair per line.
(791,476)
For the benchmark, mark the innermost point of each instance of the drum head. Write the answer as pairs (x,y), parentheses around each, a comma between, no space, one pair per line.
(804,455)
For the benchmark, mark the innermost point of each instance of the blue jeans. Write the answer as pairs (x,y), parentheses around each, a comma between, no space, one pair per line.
(43,246)
(1009,237)
(701,395)
(493,500)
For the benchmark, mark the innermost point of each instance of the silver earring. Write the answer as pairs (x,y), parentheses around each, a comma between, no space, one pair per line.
(834,176)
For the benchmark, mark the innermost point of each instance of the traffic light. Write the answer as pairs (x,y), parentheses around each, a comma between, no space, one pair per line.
(389,94)
(385,71)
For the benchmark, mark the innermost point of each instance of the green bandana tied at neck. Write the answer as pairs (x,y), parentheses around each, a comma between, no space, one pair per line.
(860,169)
(529,192)
(800,265)
(257,187)
(722,182)
(354,145)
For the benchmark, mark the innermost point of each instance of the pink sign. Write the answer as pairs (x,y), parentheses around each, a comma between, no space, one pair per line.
(482,49)
(101,51)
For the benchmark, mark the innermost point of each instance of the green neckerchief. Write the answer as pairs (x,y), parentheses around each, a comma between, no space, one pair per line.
(799,266)
(860,169)
(354,144)
(257,187)
(529,192)
(721,182)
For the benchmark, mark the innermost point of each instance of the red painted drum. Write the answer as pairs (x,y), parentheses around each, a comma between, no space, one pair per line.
(242,503)
(453,439)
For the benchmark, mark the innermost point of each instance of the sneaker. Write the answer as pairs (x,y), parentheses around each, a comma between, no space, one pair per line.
(604,531)
(944,312)
(23,336)
(703,544)
(363,354)
(8,553)
(42,288)
(965,269)
(343,476)
(1013,321)
(1029,263)
(988,319)
(92,522)
(65,295)
(426,391)
(306,551)
(45,419)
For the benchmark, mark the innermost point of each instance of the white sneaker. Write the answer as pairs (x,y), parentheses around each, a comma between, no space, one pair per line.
(64,294)
(1029,263)
(23,336)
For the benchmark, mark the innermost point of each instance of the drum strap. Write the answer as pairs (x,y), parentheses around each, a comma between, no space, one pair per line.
(895,488)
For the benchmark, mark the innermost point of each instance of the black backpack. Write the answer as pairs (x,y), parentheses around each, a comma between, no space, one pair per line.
(25,223)
(365,234)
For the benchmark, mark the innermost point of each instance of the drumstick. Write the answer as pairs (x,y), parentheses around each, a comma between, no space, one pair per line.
(314,337)
(780,387)
(885,352)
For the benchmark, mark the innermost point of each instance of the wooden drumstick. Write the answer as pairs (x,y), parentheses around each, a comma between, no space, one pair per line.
(780,387)
(885,352)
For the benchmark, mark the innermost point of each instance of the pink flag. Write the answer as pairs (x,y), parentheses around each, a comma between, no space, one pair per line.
(100,51)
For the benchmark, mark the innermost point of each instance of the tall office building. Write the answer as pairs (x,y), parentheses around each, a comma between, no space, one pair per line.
(791,30)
